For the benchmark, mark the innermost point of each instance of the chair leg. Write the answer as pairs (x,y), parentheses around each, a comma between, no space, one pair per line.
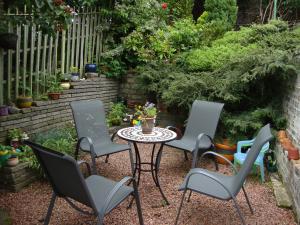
(247,199)
(106,159)
(262,171)
(179,210)
(189,196)
(186,156)
(138,203)
(239,211)
(99,220)
(94,169)
(50,208)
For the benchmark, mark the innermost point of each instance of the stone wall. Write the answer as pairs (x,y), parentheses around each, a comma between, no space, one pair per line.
(290,170)
(290,173)
(53,113)
(292,111)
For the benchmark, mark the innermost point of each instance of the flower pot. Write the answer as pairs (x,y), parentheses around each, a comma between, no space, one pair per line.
(24,101)
(281,134)
(65,85)
(90,68)
(15,143)
(12,161)
(3,110)
(54,96)
(286,144)
(226,150)
(8,40)
(147,125)
(293,153)
(75,77)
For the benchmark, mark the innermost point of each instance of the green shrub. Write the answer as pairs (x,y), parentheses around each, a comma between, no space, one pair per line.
(116,114)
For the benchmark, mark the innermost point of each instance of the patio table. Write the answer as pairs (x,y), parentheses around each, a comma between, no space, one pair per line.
(160,136)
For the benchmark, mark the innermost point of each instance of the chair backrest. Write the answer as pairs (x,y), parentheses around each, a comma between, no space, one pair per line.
(63,174)
(203,118)
(263,136)
(89,117)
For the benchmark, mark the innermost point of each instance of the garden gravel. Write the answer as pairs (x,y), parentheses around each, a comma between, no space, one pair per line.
(30,205)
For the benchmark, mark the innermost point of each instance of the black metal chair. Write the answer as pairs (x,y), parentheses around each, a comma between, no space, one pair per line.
(200,130)
(99,193)
(222,186)
(89,117)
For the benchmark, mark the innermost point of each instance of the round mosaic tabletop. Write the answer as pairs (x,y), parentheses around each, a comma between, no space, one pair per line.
(158,135)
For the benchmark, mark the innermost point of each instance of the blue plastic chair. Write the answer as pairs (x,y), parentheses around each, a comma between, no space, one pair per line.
(239,156)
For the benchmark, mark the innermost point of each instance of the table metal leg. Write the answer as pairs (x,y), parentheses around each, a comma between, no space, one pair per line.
(138,166)
(153,167)
(157,163)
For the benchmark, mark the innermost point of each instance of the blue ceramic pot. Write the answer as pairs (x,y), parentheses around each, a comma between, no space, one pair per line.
(90,68)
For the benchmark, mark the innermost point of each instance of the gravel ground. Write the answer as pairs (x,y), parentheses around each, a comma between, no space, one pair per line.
(30,205)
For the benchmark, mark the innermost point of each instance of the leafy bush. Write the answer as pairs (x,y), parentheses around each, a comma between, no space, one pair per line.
(59,139)
(116,114)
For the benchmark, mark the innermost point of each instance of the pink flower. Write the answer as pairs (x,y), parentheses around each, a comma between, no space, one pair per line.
(164,5)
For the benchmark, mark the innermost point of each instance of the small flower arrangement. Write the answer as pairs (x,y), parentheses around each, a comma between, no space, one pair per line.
(147,111)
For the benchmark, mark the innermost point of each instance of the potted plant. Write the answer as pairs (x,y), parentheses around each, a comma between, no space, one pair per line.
(14,136)
(24,100)
(75,76)
(53,87)
(146,114)
(65,81)
(90,70)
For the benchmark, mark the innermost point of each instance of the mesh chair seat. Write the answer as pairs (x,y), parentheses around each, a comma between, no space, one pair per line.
(204,185)
(104,148)
(100,187)
(189,144)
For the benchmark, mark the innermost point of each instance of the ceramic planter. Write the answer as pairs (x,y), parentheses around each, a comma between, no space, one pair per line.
(24,101)
(225,149)
(147,125)
(3,110)
(65,85)
(54,96)
(12,161)
(75,77)
(90,68)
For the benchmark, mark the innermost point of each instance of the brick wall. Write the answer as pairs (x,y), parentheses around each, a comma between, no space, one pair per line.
(290,170)
(53,113)
(292,111)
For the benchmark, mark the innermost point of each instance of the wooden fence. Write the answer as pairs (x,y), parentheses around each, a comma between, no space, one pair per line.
(24,71)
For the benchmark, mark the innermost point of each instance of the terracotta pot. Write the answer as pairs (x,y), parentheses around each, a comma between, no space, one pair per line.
(281,134)
(293,153)
(12,161)
(286,143)
(226,150)
(147,125)
(54,96)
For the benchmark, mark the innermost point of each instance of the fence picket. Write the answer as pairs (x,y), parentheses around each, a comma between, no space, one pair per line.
(24,70)
(9,68)
(32,50)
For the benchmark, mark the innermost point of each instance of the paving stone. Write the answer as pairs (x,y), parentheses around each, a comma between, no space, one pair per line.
(281,195)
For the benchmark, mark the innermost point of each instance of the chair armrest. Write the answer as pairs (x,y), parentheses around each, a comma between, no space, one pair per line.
(196,149)
(113,136)
(86,164)
(92,150)
(178,131)
(204,173)
(113,192)
(216,154)
(245,143)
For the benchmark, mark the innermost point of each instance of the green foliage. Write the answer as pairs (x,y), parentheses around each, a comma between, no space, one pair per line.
(222,10)
(146,111)
(249,70)
(53,84)
(116,114)
(59,139)
(15,133)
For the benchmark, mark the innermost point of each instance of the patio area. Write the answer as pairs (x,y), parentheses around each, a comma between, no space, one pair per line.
(30,205)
